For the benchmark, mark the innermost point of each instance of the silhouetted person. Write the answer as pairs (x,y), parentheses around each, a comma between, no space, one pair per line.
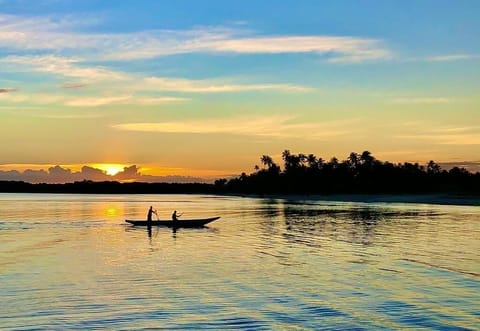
(175,216)
(150,212)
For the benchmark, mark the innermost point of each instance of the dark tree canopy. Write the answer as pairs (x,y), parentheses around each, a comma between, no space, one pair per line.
(358,173)
(301,174)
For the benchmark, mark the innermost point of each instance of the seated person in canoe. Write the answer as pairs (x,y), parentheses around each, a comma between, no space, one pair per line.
(175,216)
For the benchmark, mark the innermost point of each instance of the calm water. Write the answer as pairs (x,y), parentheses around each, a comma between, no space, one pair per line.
(70,262)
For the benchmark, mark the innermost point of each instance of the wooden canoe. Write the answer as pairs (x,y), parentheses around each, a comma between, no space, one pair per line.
(185,223)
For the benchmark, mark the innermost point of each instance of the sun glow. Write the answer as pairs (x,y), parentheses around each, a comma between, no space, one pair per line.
(110,169)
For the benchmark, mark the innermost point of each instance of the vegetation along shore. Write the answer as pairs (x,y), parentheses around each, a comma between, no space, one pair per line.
(360,177)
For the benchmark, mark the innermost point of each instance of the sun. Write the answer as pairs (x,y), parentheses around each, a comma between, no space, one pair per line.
(110,169)
(113,170)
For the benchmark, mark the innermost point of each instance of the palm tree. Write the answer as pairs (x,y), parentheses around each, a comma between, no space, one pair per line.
(367,158)
(312,161)
(334,162)
(286,155)
(267,161)
(288,159)
(433,168)
(353,158)
(302,159)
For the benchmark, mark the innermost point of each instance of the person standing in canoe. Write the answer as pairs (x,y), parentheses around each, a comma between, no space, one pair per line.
(150,212)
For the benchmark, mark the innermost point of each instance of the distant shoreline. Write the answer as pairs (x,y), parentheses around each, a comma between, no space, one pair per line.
(433,199)
(440,197)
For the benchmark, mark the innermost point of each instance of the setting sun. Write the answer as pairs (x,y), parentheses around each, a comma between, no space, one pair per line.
(110,169)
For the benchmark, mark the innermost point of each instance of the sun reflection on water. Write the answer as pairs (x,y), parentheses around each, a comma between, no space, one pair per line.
(266,264)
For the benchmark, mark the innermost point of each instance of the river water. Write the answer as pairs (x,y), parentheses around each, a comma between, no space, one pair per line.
(71,262)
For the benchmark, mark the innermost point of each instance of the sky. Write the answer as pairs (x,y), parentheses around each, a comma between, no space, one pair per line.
(180,90)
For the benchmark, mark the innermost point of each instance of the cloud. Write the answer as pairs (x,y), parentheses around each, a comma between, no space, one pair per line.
(54,33)
(97,101)
(122,99)
(212,86)
(8,90)
(458,139)
(272,126)
(59,174)
(46,33)
(449,136)
(128,173)
(71,116)
(74,86)
(339,49)
(37,98)
(65,66)
(422,100)
(473,166)
(72,68)
(88,101)
(453,57)
(159,100)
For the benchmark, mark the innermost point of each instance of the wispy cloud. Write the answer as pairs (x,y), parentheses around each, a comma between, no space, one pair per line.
(448,136)
(422,100)
(71,116)
(29,36)
(97,101)
(453,57)
(292,44)
(64,66)
(340,49)
(272,126)
(36,98)
(88,101)
(121,99)
(72,68)
(8,90)
(212,86)
(459,139)
(159,100)
(46,33)
(74,86)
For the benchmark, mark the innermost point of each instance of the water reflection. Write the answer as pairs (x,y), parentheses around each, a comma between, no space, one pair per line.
(304,222)
(268,264)
(362,232)
(153,231)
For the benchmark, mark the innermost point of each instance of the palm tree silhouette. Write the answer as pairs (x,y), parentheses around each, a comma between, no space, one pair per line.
(267,161)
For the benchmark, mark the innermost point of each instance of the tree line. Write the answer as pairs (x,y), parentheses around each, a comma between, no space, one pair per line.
(358,173)
(301,174)
(107,187)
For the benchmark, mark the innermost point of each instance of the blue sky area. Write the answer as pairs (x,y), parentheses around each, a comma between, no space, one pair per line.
(213,85)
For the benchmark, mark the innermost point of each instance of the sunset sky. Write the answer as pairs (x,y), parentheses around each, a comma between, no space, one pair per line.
(204,88)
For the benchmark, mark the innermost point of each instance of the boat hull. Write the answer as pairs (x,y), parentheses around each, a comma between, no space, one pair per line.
(186,223)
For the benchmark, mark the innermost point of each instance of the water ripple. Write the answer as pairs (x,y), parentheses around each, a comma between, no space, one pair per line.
(70,262)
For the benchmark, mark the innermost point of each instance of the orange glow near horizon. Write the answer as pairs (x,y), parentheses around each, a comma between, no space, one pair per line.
(159,170)
(110,169)
(113,169)
(21,167)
